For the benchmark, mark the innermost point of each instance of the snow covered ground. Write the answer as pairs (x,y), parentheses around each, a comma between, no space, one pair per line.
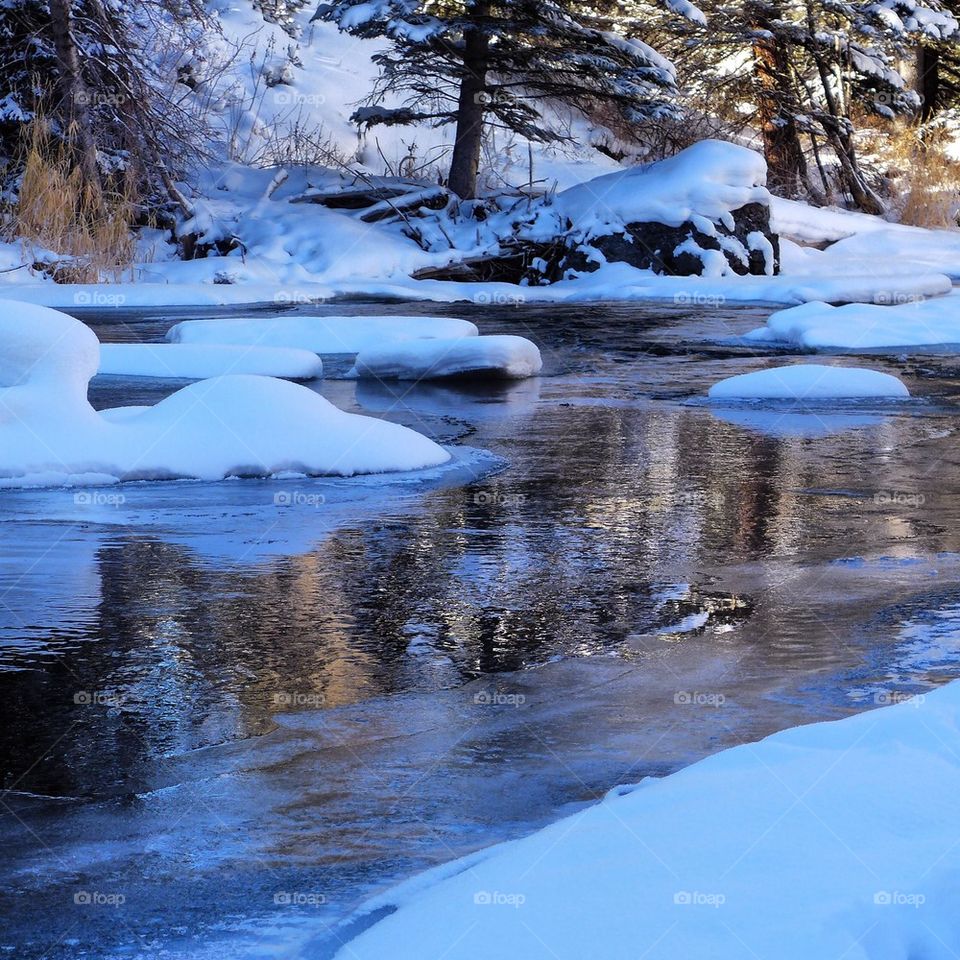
(227,426)
(824,841)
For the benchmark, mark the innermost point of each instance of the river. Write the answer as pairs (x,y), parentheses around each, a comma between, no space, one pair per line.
(230,712)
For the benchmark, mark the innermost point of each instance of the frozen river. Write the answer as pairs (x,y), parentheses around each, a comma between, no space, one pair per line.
(229,712)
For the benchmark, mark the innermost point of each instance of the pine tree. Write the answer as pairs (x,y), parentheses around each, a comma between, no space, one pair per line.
(812,67)
(477,62)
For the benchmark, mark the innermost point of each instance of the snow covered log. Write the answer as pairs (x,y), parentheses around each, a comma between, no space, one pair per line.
(705,211)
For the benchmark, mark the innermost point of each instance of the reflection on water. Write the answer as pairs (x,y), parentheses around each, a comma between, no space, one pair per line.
(379,674)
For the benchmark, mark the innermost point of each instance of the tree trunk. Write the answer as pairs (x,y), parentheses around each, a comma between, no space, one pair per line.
(74,95)
(928,81)
(786,166)
(836,127)
(471,110)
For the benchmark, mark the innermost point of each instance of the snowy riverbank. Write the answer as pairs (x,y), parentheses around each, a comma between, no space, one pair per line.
(830,840)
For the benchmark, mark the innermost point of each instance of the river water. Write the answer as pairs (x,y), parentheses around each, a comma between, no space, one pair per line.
(230,712)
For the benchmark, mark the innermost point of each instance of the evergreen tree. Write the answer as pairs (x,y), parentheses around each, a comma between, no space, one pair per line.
(472,62)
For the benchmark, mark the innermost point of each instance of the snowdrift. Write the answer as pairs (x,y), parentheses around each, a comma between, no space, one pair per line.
(320,334)
(198,361)
(809,381)
(865,326)
(504,356)
(227,426)
(824,841)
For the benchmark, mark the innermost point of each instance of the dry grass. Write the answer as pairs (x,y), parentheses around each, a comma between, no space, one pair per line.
(56,210)
(925,179)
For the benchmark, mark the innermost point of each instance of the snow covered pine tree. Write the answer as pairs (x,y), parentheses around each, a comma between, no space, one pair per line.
(472,62)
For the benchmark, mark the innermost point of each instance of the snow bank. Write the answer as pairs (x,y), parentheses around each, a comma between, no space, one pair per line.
(226,426)
(320,334)
(809,381)
(197,362)
(498,356)
(703,184)
(824,841)
(865,326)
(808,224)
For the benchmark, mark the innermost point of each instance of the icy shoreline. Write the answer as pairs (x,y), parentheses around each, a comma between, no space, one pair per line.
(819,841)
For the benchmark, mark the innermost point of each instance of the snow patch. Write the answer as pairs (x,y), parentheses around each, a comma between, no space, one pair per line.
(497,356)
(809,381)
(228,426)
(197,362)
(320,334)
(865,326)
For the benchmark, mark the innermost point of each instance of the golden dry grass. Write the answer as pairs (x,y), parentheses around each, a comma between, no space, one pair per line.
(57,210)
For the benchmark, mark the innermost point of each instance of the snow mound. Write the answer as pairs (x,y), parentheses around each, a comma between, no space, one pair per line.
(497,356)
(808,224)
(865,326)
(199,361)
(809,381)
(819,842)
(704,183)
(227,426)
(320,334)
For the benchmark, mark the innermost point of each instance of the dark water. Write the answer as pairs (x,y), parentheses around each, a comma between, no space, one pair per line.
(224,720)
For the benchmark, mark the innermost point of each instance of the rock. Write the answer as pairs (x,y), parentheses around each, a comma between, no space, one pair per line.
(750,248)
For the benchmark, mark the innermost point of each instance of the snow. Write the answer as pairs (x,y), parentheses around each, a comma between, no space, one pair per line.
(808,224)
(705,183)
(196,362)
(866,326)
(499,356)
(809,381)
(320,334)
(823,841)
(237,425)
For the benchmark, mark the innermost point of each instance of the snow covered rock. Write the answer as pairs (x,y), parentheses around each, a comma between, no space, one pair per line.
(496,356)
(319,334)
(809,381)
(704,211)
(863,326)
(199,361)
(227,426)
(819,842)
